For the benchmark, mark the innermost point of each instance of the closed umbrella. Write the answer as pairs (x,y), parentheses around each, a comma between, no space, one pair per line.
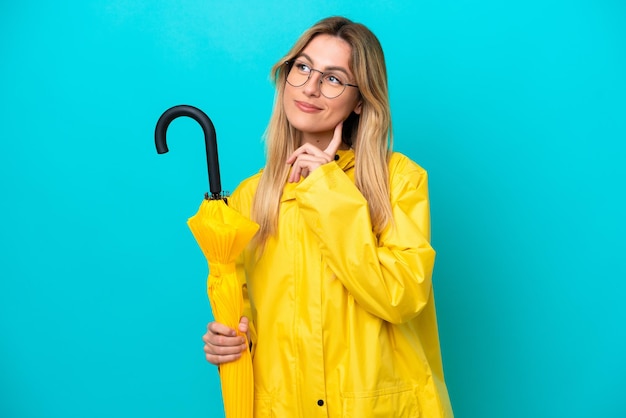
(222,234)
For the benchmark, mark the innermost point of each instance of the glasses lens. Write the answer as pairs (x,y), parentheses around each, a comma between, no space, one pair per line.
(331,90)
(330,85)
(298,75)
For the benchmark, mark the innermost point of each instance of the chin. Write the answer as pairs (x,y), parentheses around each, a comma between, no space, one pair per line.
(313,129)
(308,125)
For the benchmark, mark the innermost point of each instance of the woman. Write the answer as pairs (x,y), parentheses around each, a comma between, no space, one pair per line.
(341,315)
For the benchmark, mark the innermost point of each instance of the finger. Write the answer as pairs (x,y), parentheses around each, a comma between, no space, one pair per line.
(307,160)
(217,359)
(296,171)
(221,329)
(218,350)
(294,175)
(243,325)
(218,340)
(305,149)
(222,346)
(335,143)
(305,164)
(302,168)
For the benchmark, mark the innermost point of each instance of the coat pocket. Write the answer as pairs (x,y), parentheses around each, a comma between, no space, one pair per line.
(401,402)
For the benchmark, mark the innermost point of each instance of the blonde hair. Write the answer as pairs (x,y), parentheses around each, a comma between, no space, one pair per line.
(369,133)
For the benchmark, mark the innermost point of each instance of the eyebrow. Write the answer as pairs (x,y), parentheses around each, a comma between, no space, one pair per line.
(331,68)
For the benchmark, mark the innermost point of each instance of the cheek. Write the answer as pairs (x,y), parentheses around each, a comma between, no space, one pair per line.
(343,110)
(287,102)
(288,108)
(290,92)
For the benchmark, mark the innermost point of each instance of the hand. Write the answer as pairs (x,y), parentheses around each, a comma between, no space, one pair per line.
(222,344)
(308,157)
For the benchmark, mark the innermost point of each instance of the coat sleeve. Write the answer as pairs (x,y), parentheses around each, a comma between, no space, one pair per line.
(390,275)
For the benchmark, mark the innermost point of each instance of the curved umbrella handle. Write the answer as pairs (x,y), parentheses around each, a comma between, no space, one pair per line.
(199,116)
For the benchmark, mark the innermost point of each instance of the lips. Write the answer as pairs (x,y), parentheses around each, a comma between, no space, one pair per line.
(307,107)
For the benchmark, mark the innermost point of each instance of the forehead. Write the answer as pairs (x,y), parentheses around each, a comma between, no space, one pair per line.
(328,51)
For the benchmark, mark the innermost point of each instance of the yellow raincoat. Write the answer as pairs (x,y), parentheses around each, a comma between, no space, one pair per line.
(343,323)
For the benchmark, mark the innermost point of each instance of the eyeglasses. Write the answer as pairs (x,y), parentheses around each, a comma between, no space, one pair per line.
(331,84)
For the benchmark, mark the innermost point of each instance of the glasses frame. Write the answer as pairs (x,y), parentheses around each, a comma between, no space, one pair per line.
(290,64)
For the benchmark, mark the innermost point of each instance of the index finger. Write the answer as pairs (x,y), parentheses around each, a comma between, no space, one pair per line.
(221,329)
(334,144)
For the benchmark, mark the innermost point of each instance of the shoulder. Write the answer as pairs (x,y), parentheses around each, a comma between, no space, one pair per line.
(241,198)
(249,185)
(408,184)
(404,170)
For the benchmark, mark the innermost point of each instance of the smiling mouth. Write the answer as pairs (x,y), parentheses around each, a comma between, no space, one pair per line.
(305,107)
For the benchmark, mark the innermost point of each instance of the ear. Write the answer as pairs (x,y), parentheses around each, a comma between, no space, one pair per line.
(358,107)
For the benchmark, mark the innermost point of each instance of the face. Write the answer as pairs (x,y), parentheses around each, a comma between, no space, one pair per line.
(305,107)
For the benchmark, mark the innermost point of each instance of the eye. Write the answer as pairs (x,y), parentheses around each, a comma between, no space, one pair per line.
(302,67)
(333,79)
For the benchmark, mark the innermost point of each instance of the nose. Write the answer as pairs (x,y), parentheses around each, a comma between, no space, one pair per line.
(314,83)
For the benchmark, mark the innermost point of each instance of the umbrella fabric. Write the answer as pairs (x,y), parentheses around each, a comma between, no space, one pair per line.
(222,234)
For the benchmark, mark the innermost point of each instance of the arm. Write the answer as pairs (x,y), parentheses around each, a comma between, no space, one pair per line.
(389,276)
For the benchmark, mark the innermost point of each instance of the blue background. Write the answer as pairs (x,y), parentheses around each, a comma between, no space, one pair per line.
(516,109)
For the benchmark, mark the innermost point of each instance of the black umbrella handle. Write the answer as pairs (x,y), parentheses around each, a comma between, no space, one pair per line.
(210,140)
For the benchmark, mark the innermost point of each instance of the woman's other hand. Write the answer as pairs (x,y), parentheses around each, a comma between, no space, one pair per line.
(223,344)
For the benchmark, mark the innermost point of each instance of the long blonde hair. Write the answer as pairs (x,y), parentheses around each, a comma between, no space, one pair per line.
(369,133)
